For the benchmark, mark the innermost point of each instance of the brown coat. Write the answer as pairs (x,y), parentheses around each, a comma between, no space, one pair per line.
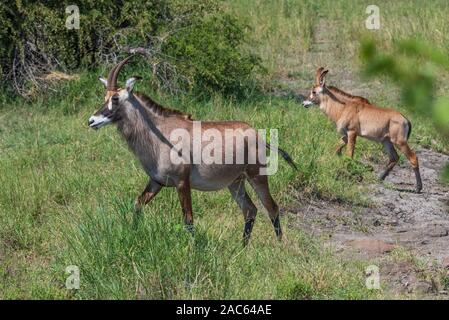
(147,127)
(356,116)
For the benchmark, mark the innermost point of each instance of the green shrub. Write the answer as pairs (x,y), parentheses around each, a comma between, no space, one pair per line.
(208,54)
(196,41)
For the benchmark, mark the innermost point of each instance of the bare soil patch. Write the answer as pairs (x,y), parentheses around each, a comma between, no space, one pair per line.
(397,218)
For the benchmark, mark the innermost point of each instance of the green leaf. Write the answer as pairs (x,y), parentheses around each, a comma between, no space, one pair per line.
(441,114)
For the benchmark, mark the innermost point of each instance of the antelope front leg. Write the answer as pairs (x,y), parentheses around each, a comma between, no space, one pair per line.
(185,197)
(342,144)
(352,136)
(151,190)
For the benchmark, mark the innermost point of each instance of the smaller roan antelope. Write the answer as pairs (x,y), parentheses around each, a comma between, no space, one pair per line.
(356,116)
(147,127)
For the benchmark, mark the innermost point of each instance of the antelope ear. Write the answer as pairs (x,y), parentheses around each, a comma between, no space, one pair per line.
(103,81)
(130,83)
(322,77)
(318,75)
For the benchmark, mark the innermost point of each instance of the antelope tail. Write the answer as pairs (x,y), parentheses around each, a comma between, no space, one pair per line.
(409,129)
(284,155)
(409,125)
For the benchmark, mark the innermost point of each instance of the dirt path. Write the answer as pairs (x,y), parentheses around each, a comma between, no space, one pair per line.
(397,218)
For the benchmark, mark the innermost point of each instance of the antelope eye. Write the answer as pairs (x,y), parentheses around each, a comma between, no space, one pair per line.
(314,92)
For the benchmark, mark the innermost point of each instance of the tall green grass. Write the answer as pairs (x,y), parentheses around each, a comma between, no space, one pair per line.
(402,19)
(67,194)
(159,259)
(67,191)
(282,32)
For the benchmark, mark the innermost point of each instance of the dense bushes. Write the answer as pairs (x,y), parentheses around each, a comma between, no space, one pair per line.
(191,44)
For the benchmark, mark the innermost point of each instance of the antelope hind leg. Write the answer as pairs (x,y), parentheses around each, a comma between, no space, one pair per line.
(411,156)
(249,210)
(394,158)
(418,179)
(260,185)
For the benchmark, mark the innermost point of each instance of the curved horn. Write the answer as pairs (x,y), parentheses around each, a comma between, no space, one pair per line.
(112,77)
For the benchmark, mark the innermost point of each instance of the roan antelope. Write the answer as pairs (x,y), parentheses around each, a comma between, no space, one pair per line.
(356,116)
(147,126)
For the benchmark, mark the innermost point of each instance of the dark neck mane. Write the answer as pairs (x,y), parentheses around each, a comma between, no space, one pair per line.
(156,108)
(335,90)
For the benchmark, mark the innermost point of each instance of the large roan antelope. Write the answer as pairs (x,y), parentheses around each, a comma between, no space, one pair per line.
(356,116)
(147,127)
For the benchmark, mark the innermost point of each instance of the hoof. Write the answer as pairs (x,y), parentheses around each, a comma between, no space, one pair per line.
(279,237)
(383,176)
(190,228)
